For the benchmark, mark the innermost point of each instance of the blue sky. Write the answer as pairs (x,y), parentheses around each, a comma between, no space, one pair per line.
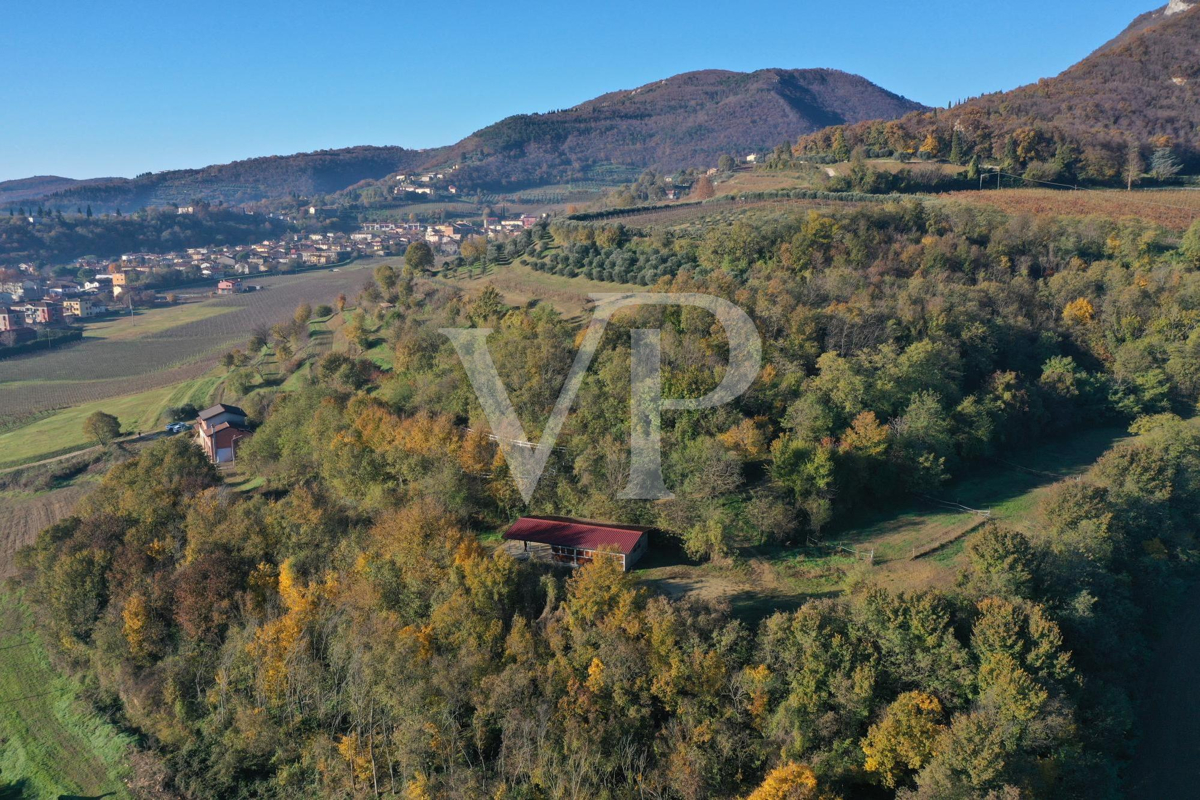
(117,88)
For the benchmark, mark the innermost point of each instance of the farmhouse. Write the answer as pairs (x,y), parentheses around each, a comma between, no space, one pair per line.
(221,430)
(577,542)
(229,287)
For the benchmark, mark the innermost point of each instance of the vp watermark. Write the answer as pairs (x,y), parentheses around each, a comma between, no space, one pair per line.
(527,462)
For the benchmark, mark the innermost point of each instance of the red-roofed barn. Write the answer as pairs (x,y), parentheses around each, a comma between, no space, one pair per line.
(577,541)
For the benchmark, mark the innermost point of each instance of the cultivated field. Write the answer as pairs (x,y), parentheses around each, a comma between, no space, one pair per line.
(693,218)
(23,518)
(1175,210)
(161,347)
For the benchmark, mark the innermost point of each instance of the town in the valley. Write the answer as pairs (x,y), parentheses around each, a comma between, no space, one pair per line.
(35,307)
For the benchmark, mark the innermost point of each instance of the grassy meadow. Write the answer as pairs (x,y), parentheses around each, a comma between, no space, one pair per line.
(54,745)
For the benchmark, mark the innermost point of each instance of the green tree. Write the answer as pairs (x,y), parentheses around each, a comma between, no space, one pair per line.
(1164,164)
(101,428)
(1190,247)
(418,258)
(385,276)
(956,147)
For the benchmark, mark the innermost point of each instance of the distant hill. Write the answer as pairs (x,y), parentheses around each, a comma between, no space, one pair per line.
(42,185)
(1144,85)
(686,121)
(271,177)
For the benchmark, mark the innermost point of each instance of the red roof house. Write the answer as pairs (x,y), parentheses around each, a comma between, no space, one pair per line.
(220,431)
(577,541)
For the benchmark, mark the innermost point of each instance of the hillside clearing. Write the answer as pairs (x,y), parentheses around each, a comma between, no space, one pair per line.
(917,545)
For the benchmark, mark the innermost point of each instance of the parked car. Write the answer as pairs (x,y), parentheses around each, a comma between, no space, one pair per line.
(178,427)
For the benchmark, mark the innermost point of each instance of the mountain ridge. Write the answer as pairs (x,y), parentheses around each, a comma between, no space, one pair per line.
(630,130)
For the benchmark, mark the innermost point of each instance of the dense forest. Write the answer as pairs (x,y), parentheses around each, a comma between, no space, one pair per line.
(1131,107)
(726,112)
(350,630)
(55,238)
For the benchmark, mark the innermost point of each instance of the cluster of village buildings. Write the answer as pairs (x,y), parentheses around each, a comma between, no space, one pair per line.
(31,301)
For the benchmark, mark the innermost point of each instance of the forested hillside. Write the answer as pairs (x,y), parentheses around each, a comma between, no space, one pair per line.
(724,112)
(1142,90)
(272,177)
(58,239)
(351,629)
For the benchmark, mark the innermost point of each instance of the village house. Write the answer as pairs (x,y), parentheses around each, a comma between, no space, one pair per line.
(82,308)
(120,280)
(229,286)
(576,542)
(220,431)
(43,312)
(10,319)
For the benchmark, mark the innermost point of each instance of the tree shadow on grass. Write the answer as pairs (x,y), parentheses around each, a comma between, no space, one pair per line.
(15,790)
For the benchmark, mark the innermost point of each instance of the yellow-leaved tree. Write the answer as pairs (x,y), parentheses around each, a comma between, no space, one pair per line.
(790,781)
(905,739)
(1079,312)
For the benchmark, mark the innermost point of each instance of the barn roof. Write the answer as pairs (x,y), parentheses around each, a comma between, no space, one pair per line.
(582,534)
(220,408)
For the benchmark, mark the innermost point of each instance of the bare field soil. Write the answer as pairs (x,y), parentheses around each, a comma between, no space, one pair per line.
(21,520)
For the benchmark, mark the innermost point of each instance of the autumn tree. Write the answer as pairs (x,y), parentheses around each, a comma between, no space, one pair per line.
(101,428)
(903,741)
(703,189)
(791,781)
(302,314)
(473,249)
(1134,166)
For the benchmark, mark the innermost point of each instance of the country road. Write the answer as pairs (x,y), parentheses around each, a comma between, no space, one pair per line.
(142,437)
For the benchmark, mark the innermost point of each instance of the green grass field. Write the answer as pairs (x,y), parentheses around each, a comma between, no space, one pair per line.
(62,431)
(155,320)
(53,746)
